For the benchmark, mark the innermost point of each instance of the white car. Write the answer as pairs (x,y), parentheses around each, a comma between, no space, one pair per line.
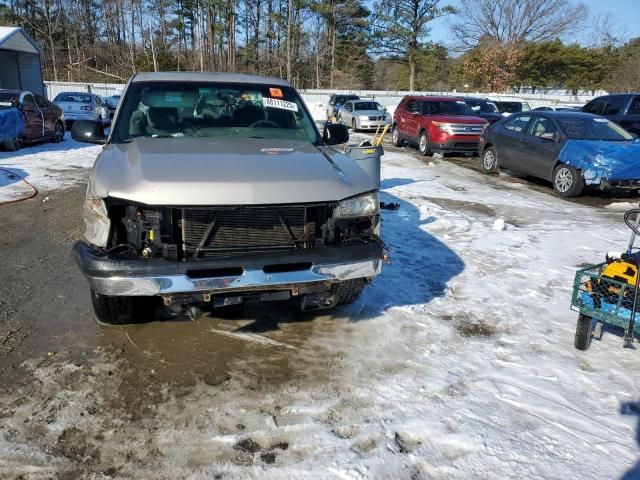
(82,106)
(363,114)
(556,108)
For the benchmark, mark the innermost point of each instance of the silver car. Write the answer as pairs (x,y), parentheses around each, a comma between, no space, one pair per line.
(82,106)
(213,189)
(363,114)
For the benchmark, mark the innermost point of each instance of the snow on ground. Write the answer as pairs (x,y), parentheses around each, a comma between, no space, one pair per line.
(47,166)
(457,362)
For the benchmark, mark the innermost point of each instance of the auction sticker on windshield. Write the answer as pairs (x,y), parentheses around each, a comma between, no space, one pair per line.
(281,104)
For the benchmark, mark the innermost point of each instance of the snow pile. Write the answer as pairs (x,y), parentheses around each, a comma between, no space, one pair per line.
(46,166)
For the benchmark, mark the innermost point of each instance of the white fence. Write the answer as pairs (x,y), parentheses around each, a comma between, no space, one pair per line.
(388,99)
(103,89)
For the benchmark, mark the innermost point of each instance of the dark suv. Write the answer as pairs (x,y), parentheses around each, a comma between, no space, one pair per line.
(623,109)
(335,103)
(484,108)
(437,124)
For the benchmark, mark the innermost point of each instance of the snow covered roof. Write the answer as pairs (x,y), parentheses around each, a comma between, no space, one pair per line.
(15,38)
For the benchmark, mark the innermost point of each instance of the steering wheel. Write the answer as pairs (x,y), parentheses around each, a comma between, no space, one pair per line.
(265,122)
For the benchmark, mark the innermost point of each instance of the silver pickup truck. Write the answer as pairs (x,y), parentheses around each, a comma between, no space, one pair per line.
(213,189)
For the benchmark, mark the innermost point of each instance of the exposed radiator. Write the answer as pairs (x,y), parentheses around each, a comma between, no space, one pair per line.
(210,232)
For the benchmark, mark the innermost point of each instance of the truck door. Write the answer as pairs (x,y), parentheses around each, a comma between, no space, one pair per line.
(48,112)
(33,118)
(412,120)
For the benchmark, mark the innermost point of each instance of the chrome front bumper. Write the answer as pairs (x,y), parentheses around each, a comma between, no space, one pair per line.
(126,282)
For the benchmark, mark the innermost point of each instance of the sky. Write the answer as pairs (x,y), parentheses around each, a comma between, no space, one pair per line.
(626,14)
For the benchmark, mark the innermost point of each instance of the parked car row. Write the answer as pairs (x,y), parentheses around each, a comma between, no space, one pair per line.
(570,146)
(42,120)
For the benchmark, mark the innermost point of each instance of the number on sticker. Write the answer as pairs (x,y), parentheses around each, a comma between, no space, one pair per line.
(281,104)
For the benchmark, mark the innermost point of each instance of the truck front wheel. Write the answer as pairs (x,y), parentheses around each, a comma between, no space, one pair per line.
(349,290)
(121,310)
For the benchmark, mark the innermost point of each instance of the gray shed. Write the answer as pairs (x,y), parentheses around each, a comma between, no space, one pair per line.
(20,67)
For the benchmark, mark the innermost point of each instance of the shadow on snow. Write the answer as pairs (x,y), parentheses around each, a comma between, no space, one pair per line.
(421,267)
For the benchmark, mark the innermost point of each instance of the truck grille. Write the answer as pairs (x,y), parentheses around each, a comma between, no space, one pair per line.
(466,129)
(208,232)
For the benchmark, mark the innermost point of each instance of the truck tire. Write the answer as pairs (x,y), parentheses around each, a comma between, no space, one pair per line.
(567,181)
(396,137)
(423,144)
(349,290)
(121,310)
(582,340)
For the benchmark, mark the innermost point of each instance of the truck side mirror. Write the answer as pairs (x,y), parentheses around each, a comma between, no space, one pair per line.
(335,134)
(88,131)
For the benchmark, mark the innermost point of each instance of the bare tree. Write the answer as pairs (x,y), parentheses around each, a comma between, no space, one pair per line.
(402,26)
(516,21)
(605,31)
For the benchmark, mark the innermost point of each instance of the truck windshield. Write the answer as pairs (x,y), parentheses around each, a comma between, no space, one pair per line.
(213,109)
(593,129)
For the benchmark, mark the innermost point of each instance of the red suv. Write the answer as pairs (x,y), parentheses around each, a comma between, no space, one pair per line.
(437,124)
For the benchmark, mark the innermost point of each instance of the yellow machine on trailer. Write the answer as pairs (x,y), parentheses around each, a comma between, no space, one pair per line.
(608,292)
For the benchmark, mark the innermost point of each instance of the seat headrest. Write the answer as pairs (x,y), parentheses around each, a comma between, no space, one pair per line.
(162,118)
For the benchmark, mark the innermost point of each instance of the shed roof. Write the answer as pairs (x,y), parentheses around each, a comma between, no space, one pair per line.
(15,38)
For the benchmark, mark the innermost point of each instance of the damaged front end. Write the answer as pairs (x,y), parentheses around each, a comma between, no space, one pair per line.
(605,163)
(223,255)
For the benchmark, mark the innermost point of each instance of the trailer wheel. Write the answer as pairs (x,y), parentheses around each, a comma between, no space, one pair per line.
(583,332)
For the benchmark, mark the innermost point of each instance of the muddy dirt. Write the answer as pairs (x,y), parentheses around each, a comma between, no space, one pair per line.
(68,383)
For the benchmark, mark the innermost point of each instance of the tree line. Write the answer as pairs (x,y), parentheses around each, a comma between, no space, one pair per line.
(496,45)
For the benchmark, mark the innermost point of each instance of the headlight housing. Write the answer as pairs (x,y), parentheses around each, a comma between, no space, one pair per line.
(360,206)
(363,117)
(444,126)
(96,219)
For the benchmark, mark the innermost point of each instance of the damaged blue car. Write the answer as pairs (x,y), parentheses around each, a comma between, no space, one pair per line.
(570,149)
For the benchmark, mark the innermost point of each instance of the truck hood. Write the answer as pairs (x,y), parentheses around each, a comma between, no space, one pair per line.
(205,171)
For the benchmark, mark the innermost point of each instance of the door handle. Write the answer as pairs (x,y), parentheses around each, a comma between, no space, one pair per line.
(524,140)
